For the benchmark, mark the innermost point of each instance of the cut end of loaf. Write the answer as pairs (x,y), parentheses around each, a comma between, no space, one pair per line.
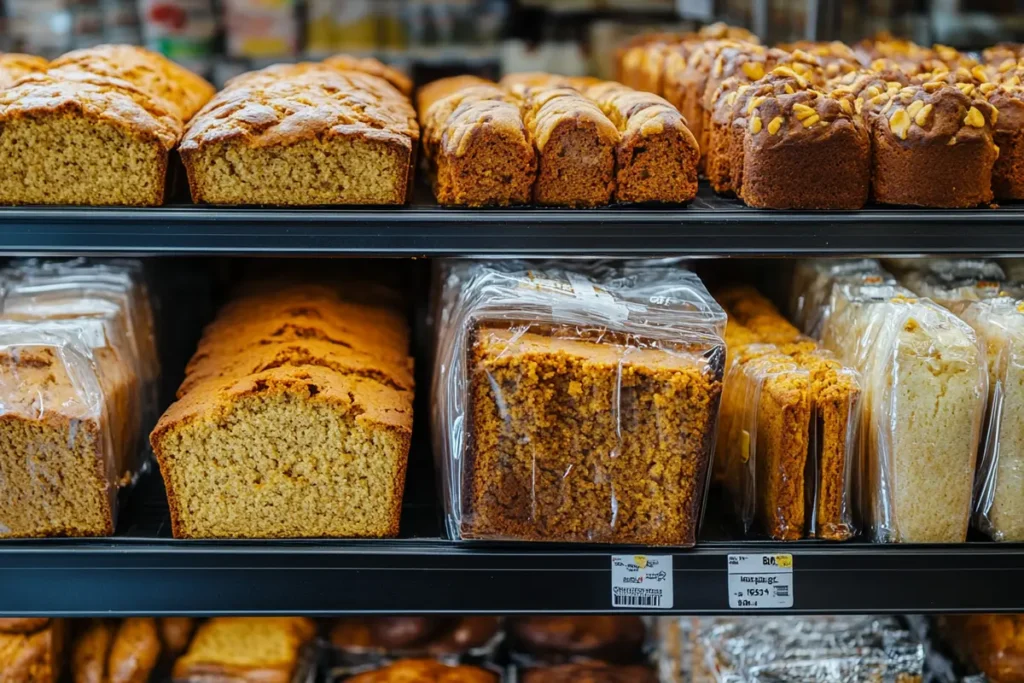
(57,159)
(277,464)
(576,167)
(334,170)
(52,479)
(661,168)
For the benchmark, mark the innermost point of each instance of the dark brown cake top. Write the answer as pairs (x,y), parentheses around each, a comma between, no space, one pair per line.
(936,113)
(1002,52)
(836,58)
(868,83)
(778,118)
(966,79)
(733,98)
(1008,100)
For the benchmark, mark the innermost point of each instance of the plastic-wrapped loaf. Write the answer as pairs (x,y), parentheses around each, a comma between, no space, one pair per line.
(786,434)
(576,407)
(925,385)
(998,320)
(812,286)
(117,287)
(60,467)
(821,649)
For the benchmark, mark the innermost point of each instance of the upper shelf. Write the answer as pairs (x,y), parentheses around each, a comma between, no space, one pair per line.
(708,226)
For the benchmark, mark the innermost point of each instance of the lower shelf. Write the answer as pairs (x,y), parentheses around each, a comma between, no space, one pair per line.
(142,570)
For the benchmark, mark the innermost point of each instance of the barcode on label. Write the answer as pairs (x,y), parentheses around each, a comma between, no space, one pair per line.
(782,591)
(636,601)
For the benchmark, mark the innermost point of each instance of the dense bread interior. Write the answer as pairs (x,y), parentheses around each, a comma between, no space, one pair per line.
(75,160)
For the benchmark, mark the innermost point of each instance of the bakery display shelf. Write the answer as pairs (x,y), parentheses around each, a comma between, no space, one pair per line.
(143,570)
(710,225)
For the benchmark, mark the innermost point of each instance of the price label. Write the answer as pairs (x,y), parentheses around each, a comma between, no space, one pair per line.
(760,581)
(642,581)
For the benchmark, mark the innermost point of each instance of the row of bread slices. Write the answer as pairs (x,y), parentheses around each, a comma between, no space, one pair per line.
(97,126)
(827,126)
(546,139)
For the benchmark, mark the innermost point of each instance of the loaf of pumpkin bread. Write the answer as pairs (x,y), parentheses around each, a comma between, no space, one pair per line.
(302,134)
(96,128)
(14,65)
(294,420)
(268,650)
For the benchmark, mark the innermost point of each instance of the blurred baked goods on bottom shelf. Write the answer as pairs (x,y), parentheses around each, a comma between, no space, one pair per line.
(429,635)
(613,639)
(425,671)
(106,651)
(31,656)
(589,672)
(991,643)
(246,648)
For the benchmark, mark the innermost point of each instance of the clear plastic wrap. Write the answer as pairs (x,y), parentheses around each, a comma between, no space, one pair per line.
(947,268)
(992,309)
(812,284)
(30,284)
(786,436)
(833,649)
(576,407)
(60,466)
(925,388)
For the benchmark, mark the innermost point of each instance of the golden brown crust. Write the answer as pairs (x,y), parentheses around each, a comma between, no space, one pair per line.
(425,671)
(589,672)
(374,67)
(23,624)
(134,652)
(260,650)
(98,98)
(14,66)
(31,658)
(183,91)
(441,88)
(90,651)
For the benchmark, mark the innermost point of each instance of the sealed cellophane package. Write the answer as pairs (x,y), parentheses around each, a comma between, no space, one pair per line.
(787,427)
(119,282)
(925,385)
(576,404)
(812,284)
(819,649)
(102,313)
(60,462)
(995,313)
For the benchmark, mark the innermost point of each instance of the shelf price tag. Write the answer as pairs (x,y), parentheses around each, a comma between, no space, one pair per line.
(642,581)
(760,581)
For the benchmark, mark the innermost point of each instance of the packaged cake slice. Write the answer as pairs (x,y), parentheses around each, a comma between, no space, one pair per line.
(575,404)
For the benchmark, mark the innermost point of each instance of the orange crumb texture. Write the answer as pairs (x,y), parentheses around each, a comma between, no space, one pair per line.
(268,650)
(578,440)
(807,409)
(294,419)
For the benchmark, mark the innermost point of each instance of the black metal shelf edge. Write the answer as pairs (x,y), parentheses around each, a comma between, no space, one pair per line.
(710,225)
(80,578)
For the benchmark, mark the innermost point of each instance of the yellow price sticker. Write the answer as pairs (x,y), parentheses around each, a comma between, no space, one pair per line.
(784,561)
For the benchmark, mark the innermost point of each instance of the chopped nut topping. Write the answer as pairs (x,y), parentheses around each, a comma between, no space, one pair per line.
(756,102)
(932,86)
(753,70)
(858,105)
(921,118)
(966,88)
(873,91)
(995,115)
(755,124)
(963,74)
(810,121)
(846,106)
(789,89)
(974,118)
(915,107)
(899,123)
(952,141)
(774,125)
(730,99)
(986,88)
(979,73)
(802,111)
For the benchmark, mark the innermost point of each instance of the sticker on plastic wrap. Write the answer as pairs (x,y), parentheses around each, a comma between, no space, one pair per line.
(642,581)
(761,581)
